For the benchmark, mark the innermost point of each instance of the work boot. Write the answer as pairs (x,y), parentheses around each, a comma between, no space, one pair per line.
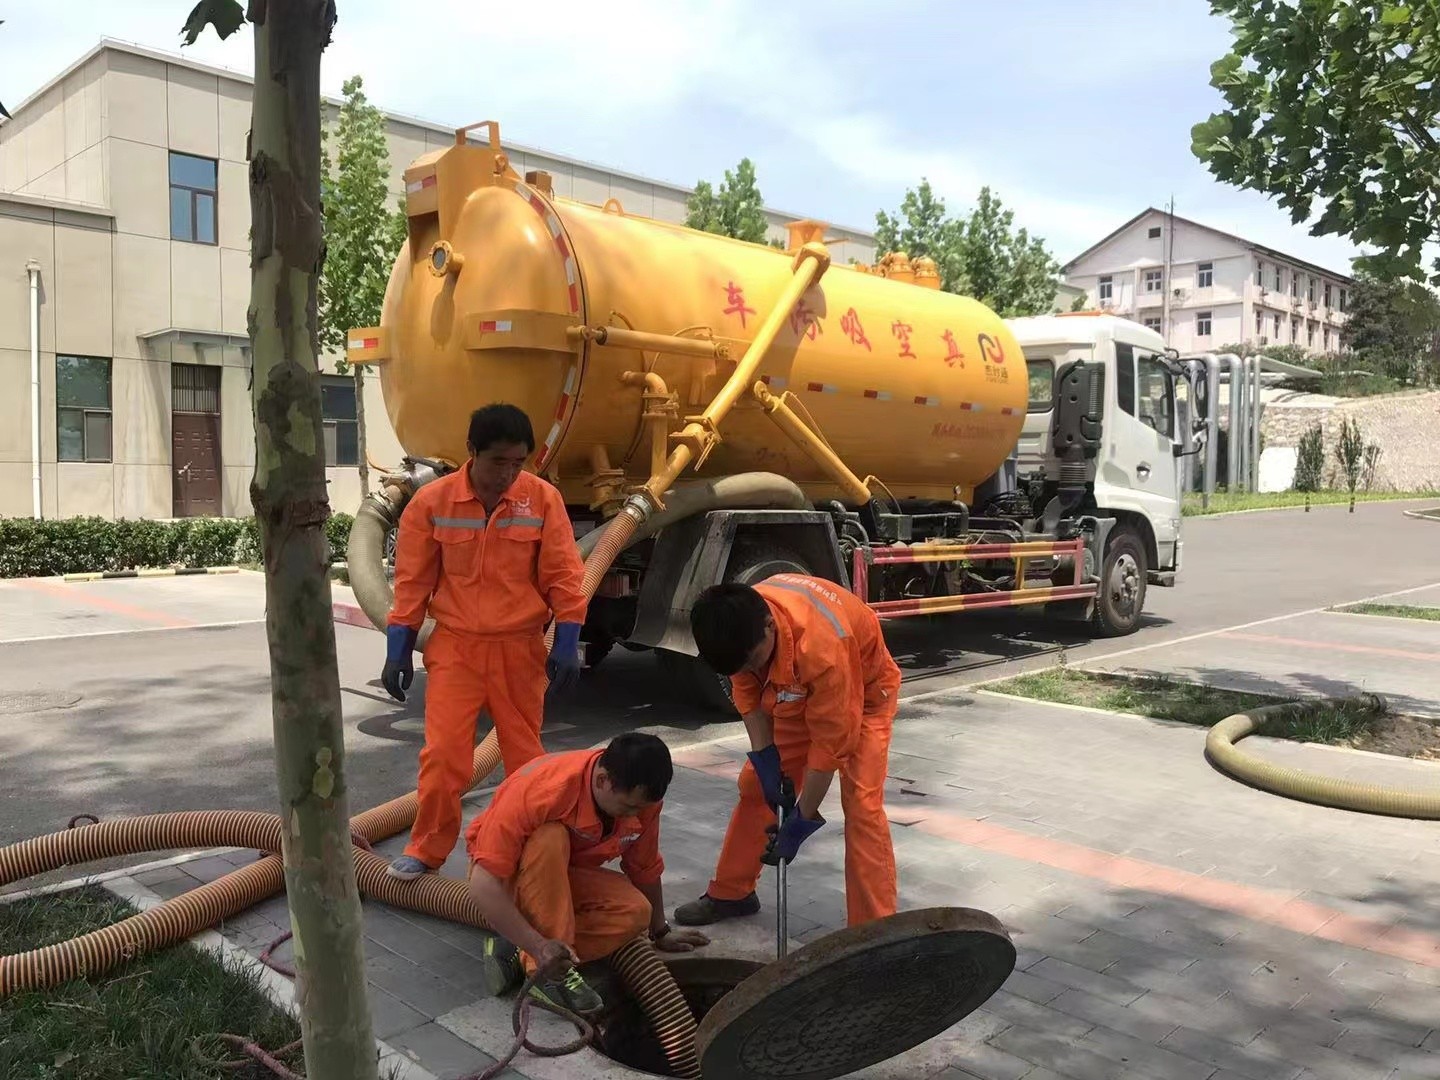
(407,868)
(568,991)
(708,910)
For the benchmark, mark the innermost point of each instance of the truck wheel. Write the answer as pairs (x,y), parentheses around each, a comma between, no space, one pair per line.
(751,561)
(1122,585)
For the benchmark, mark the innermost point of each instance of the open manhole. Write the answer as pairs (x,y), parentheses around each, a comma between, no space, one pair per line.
(851,999)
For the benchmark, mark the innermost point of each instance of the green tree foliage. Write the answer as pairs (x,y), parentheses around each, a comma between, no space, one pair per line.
(982,255)
(362,235)
(1310,461)
(735,210)
(1394,329)
(1350,454)
(1335,102)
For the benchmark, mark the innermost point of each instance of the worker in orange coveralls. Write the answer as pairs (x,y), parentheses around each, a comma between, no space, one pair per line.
(818,691)
(489,551)
(538,854)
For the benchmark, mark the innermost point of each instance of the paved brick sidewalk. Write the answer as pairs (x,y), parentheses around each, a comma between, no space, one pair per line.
(1171,923)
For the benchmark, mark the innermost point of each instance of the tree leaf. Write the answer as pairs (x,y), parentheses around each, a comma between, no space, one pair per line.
(225,15)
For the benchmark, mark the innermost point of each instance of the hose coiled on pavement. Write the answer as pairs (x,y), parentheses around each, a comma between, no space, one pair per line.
(1310,787)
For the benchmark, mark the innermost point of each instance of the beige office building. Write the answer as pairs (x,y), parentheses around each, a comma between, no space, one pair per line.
(125,280)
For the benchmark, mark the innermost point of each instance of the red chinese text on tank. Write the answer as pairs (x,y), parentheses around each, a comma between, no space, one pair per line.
(850,324)
(735,303)
(903,331)
(991,350)
(804,320)
(953,355)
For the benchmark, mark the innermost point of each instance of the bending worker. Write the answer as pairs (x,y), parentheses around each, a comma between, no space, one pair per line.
(818,691)
(538,854)
(489,552)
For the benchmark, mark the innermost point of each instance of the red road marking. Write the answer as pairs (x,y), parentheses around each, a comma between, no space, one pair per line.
(116,607)
(1373,650)
(1283,909)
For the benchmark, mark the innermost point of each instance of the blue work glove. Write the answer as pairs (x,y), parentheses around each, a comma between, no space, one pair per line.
(563,666)
(766,763)
(785,842)
(399,668)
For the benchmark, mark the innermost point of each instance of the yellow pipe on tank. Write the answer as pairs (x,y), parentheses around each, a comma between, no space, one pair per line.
(809,440)
(702,432)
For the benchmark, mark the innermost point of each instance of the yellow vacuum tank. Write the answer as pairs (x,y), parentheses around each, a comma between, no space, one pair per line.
(922,389)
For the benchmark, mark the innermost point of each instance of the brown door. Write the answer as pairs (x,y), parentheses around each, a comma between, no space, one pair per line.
(195,440)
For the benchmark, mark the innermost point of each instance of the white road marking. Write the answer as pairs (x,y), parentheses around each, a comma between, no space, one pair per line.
(131,630)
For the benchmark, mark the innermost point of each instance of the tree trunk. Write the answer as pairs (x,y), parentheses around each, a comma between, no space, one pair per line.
(289,496)
(360,429)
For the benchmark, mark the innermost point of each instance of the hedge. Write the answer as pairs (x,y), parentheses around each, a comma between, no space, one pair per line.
(30,548)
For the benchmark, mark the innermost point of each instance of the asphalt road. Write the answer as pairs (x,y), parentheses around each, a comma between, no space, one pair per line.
(133,697)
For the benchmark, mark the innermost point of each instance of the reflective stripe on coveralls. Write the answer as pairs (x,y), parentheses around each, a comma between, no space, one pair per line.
(542,833)
(491,582)
(832,690)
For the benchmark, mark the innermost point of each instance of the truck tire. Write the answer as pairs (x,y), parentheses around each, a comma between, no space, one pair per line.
(751,561)
(1123,575)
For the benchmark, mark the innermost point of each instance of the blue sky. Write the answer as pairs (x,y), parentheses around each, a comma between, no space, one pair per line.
(1077,112)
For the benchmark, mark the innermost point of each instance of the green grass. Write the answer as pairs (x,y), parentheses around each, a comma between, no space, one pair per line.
(1396,611)
(1187,703)
(138,1021)
(1224,502)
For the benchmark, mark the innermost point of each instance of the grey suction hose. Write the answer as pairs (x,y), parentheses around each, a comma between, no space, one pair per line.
(379,513)
(743,491)
(1310,787)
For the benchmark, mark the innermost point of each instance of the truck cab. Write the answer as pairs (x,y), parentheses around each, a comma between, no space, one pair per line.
(1135,475)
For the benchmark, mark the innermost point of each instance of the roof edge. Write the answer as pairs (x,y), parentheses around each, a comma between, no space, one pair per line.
(1250,245)
(161,55)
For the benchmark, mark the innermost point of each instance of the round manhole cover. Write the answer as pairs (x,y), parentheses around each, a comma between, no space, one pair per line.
(24,701)
(856,997)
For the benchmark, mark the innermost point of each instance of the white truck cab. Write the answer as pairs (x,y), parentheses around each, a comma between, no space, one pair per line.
(1135,475)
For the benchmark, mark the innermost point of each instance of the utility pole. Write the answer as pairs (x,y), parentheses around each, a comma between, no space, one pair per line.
(1165,284)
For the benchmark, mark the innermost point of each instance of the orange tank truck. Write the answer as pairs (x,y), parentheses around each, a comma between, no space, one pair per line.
(764,408)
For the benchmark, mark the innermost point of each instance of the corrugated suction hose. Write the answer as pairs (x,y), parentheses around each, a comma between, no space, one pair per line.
(1310,787)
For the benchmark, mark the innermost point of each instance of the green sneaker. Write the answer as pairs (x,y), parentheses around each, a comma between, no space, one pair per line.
(502,968)
(569,991)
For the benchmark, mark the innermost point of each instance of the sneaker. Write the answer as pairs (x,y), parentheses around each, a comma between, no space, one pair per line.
(569,991)
(708,910)
(407,868)
(502,968)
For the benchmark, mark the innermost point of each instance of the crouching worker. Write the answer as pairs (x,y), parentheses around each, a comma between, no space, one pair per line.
(537,858)
(818,691)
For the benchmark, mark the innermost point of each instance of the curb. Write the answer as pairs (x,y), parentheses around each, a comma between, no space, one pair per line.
(172,571)
(1313,506)
(351,615)
(272,984)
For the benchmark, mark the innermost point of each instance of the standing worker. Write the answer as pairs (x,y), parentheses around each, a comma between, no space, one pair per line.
(818,691)
(489,552)
(538,854)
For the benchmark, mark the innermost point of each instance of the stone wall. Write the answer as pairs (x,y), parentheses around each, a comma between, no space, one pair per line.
(1405,426)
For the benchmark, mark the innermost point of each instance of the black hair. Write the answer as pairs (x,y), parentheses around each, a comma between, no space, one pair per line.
(499,423)
(635,760)
(728,622)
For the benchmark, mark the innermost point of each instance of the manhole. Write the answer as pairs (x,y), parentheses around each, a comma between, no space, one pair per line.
(851,999)
(856,997)
(624,1032)
(27,701)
